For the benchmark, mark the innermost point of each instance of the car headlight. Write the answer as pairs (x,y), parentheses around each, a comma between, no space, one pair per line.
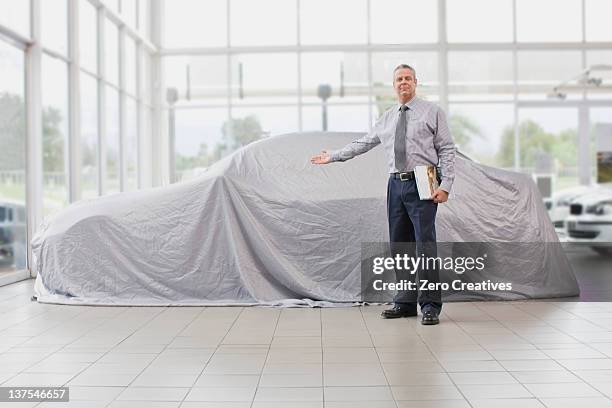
(603,208)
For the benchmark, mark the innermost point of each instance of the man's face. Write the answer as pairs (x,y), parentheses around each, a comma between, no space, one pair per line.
(405,84)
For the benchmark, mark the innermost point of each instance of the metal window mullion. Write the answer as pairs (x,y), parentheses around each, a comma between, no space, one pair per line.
(157,85)
(517,146)
(584,120)
(87,71)
(56,55)
(33,104)
(575,103)
(502,46)
(102,117)
(298,27)
(229,68)
(15,38)
(157,131)
(369,62)
(120,21)
(584,22)
(583,48)
(584,148)
(122,114)
(74,132)
(139,114)
(281,105)
(442,56)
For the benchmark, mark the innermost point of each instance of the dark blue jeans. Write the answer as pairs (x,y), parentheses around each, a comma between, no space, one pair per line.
(412,230)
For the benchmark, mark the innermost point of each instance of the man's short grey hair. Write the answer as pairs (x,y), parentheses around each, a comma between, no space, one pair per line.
(404,66)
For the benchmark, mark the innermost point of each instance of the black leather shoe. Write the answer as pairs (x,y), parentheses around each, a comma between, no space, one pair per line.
(430,317)
(396,312)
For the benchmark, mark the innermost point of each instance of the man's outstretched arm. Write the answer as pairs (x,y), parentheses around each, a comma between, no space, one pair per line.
(323,158)
(355,148)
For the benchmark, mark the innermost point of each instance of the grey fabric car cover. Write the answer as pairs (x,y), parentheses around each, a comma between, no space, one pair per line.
(264,226)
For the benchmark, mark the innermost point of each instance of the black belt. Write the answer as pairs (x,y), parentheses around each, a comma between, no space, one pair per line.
(403,176)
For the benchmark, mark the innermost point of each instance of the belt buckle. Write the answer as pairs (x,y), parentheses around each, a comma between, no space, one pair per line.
(402,177)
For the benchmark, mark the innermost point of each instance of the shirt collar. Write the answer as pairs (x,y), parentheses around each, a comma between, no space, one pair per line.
(410,104)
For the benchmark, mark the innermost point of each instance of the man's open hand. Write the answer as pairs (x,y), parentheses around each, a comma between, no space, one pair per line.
(322,158)
(440,196)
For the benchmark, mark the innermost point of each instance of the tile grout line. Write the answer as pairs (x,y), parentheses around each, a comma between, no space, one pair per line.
(322,355)
(565,369)
(214,352)
(528,342)
(278,315)
(65,345)
(481,343)
(378,355)
(129,308)
(440,362)
(111,349)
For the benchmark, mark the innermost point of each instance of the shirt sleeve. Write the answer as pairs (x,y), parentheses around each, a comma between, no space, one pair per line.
(445,147)
(358,146)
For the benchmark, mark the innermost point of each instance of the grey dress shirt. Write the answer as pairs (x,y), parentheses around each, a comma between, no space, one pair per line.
(428,140)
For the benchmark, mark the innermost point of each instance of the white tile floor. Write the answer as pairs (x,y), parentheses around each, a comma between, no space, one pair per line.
(494,354)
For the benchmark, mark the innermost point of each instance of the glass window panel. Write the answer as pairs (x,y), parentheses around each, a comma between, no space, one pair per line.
(479,75)
(333,22)
(55,134)
(597,116)
(540,71)
(550,134)
(341,118)
(598,27)
(145,77)
(273,28)
(383,63)
(131,145)
(13,241)
(112,140)
(196,23)
(389,24)
(89,136)
(537,23)
(207,78)
(112,5)
(144,17)
(465,22)
(383,104)
(16,15)
(54,25)
(111,56)
(596,60)
(266,78)
(128,10)
(145,150)
(199,140)
(267,121)
(130,65)
(327,68)
(88,36)
(484,132)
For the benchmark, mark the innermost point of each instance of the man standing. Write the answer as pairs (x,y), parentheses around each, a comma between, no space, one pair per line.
(414,132)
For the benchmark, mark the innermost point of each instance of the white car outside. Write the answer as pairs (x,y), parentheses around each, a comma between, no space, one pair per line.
(590,220)
(559,207)
(12,234)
